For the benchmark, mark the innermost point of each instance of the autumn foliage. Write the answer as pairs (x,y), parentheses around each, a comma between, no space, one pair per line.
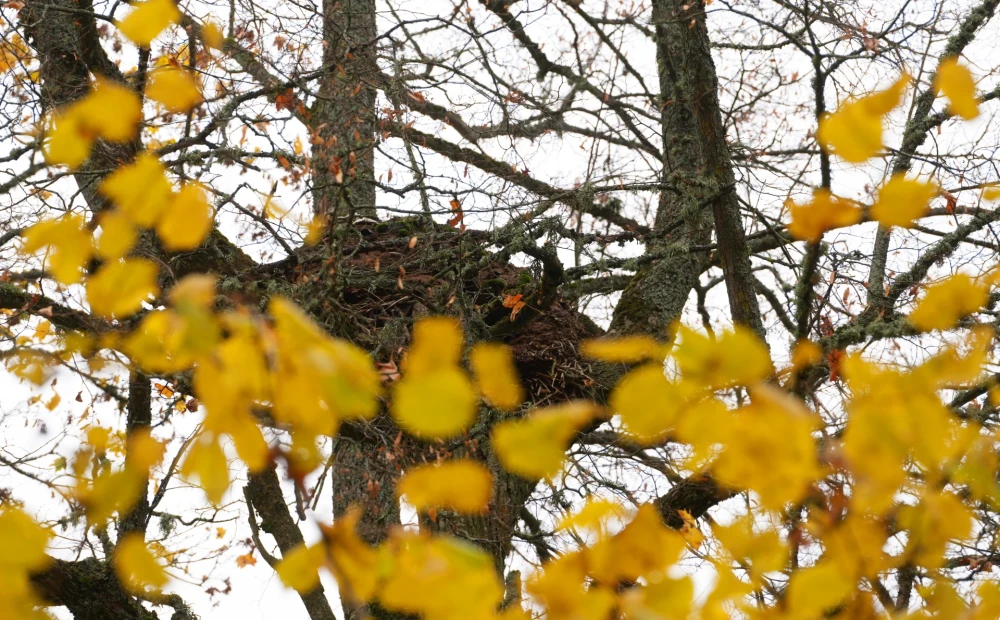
(893,487)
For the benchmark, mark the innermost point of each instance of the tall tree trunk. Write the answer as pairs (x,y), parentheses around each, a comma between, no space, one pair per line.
(343,117)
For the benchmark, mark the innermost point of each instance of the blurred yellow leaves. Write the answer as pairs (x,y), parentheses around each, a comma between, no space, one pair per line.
(825,212)
(854,131)
(118,288)
(435,398)
(534,446)
(148,19)
(69,242)
(463,485)
(733,358)
(901,201)
(438,577)
(176,89)
(299,569)
(207,461)
(137,567)
(627,349)
(111,111)
(24,543)
(186,220)
(945,302)
(956,83)
(141,189)
(496,377)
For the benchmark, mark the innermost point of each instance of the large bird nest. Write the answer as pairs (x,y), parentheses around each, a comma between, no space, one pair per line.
(368,282)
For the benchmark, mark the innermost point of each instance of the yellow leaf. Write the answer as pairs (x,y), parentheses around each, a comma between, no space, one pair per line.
(315,229)
(902,200)
(353,563)
(206,460)
(666,599)
(643,549)
(186,220)
(627,349)
(110,492)
(119,288)
(771,449)
(648,403)
(141,190)
(595,516)
(66,142)
(496,377)
(175,88)
(439,577)
(814,590)
(948,301)
(111,111)
(53,402)
(437,404)
(957,84)
(196,290)
(148,19)
(939,519)
(464,486)
(761,552)
(299,569)
(70,243)
(732,358)
(212,35)
(118,235)
(810,220)
(806,353)
(437,343)
(534,447)
(560,588)
(22,540)
(854,131)
(144,452)
(137,568)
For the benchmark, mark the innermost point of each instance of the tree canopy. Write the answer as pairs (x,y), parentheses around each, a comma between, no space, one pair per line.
(563,309)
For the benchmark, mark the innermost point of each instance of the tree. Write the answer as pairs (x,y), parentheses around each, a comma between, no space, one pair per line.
(239,226)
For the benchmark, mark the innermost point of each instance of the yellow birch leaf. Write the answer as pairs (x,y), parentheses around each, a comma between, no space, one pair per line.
(207,461)
(957,84)
(118,289)
(299,569)
(352,561)
(70,243)
(534,447)
(437,343)
(144,452)
(212,35)
(627,349)
(148,19)
(196,290)
(463,485)
(137,568)
(901,201)
(731,358)
(141,190)
(175,88)
(825,212)
(496,377)
(66,144)
(854,131)
(118,235)
(111,111)
(948,301)
(437,404)
(186,221)
(23,541)
(648,403)
(816,589)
